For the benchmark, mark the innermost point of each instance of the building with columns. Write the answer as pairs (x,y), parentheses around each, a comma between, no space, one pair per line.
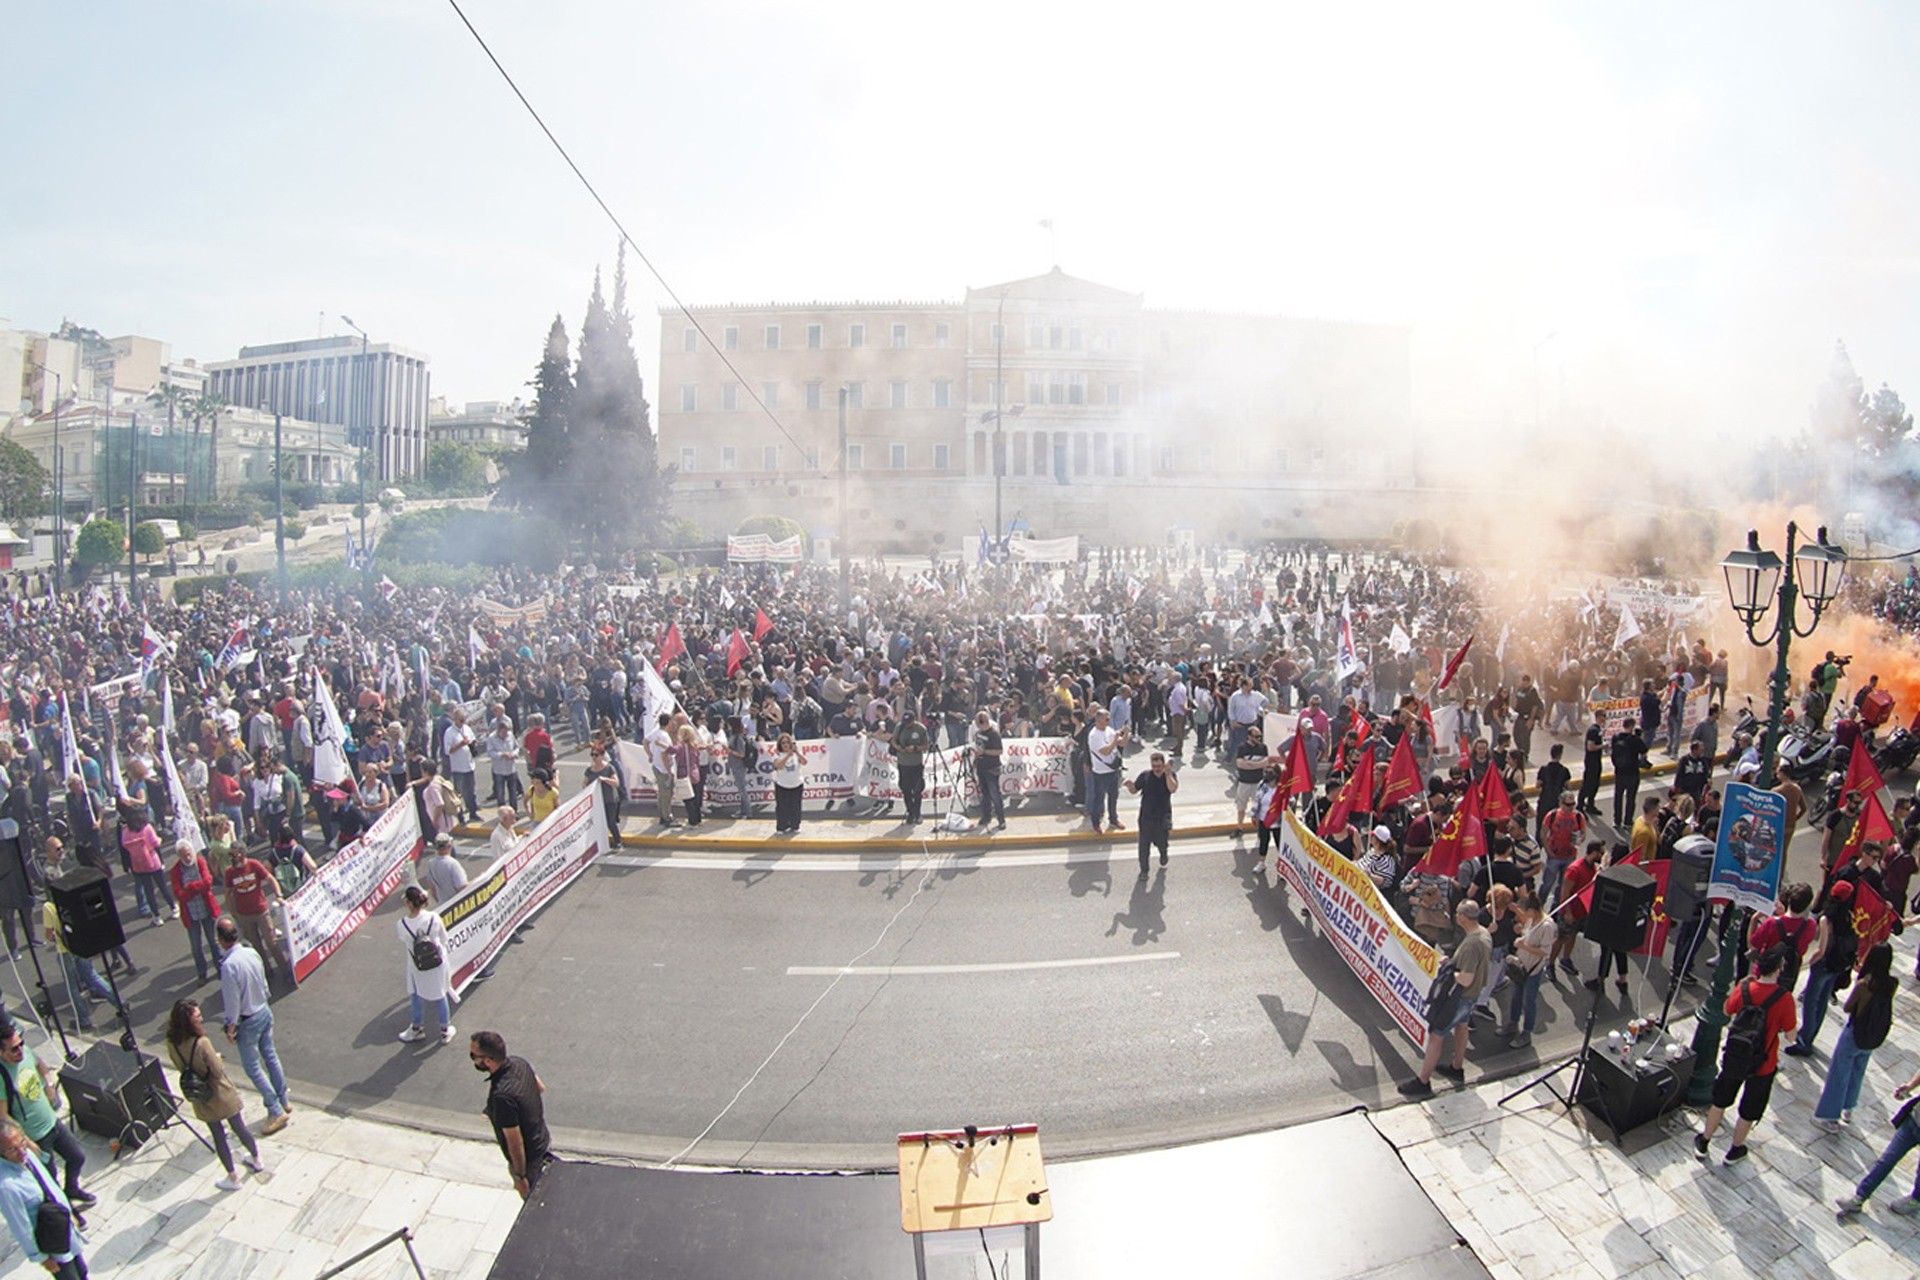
(379,393)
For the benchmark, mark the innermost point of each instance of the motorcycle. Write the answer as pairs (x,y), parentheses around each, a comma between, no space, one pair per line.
(1899,751)
(1829,798)
(1748,723)
(1806,754)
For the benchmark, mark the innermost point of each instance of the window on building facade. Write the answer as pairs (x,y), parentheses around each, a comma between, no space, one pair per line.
(856,335)
(942,394)
(689,398)
(1166,457)
(897,394)
(1203,458)
(897,457)
(899,335)
(813,337)
(942,457)
(727,462)
(688,458)
(773,337)
(1080,454)
(731,337)
(813,395)
(856,395)
(1114,393)
(996,333)
(856,457)
(1317,459)
(1077,387)
(813,457)
(730,396)
(690,340)
(939,335)
(770,457)
(770,393)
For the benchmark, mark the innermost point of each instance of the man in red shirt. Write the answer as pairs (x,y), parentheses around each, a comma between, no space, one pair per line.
(538,743)
(1572,912)
(1755,1087)
(250,883)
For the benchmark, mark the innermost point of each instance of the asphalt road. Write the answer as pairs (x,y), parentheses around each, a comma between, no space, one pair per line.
(664,1001)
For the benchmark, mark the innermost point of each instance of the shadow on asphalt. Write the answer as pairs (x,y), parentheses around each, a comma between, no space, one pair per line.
(1146,911)
(1084,878)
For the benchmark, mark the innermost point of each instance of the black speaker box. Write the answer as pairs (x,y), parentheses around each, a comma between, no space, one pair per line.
(116,1095)
(89,918)
(1626,1093)
(1622,906)
(1687,882)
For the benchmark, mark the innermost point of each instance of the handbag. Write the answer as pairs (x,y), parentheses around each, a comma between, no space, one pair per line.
(683,788)
(52,1221)
(194,1087)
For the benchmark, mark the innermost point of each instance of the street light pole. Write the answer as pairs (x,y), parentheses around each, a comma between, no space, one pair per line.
(279,512)
(359,370)
(59,482)
(846,590)
(133,494)
(1756,581)
(999,413)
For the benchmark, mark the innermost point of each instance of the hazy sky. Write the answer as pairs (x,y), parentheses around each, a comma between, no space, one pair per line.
(1695,199)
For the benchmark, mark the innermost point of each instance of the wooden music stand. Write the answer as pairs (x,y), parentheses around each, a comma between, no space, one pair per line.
(973,1179)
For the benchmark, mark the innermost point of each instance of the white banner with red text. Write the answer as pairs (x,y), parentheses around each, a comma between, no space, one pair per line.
(323,913)
(1620,710)
(481,919)
(1394,962)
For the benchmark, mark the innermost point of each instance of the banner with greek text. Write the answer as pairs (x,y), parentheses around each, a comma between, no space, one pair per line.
(1394,962)
(758,548)
(1045,550)
(949,774)
(325,911)
(501,615)
(1620,710)
(829,770)
(481,919)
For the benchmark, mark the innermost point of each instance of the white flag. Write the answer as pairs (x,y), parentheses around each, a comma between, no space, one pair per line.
(330,739)
(726,597)
(475,647)
(659,699)
(1346,656)
(1399,641)
(1500,650)
(1628,627)
(186,827)
(69,745)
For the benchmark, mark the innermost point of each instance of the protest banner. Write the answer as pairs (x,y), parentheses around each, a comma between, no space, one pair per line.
(325,911)
(1031,766)
(1620,710)
(1045,550)
(829,770)
(758,548)
(481,919)
(1652,602)
(1393,961)
(501,615)
(1752,846)
(949,774)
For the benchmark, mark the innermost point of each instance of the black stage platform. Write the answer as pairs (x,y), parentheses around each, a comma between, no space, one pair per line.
(1325,1201)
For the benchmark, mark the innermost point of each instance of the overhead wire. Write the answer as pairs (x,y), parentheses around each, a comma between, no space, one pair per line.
(625,238)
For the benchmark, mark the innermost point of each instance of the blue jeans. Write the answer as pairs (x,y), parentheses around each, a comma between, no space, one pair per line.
(150,891)
(1523,1013)
(1844,1077)
(993,805)
(421,1005)
(1103,794)
(1813,1003)
(1905,1139)
(84,980)
(1553,871)
(205,943)
(262,1061)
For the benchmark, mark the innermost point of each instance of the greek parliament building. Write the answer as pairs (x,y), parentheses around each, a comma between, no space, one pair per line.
(379,393)
(1121,423)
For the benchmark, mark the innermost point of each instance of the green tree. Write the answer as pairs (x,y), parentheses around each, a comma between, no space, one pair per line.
(148,539)
(1885,422)
(613,483)
(456,470)
(101,541)
(23,484)
(530,481)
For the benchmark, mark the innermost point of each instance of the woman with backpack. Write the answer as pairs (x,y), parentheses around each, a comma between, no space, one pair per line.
(204,1083)
(1835,947)
(424,940)
(1869,1019)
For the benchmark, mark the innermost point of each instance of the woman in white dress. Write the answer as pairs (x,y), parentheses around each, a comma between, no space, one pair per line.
(423,944)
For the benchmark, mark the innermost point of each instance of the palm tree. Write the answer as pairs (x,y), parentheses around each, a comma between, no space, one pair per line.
(208,408)
(171,397)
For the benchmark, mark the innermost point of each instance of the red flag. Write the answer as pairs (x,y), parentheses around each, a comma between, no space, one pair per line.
(736,652)
(1656,940)
(1403,775)
(1453,664)
(1862,777)
(1873,919)
(1361,730)
(1295,779)
(1872,824)
(1462,836)
(1355,795)
(1495,806)
(761,625)
(671,647)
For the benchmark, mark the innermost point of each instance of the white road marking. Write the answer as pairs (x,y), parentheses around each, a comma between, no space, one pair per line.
(1009,966)
(868,864)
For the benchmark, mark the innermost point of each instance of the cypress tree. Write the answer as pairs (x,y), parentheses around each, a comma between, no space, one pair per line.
(532,482)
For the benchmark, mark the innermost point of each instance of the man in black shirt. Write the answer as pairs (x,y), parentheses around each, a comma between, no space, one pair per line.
(1596,745)
(1155,788)
(1695,770)
(1628,750)
(910,753)
(986,763)
(1528,711)
(515,1107)
(1552,778)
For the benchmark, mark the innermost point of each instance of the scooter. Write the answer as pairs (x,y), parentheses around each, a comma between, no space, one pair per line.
(1806,754)
(1899,751)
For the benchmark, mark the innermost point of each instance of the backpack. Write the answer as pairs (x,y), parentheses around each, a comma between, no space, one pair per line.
(194,1086)
(1563,834)
(426,952)
(1789,944)
(1873,1020)
(1842,948)
(1747,1035)
(1443,997)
